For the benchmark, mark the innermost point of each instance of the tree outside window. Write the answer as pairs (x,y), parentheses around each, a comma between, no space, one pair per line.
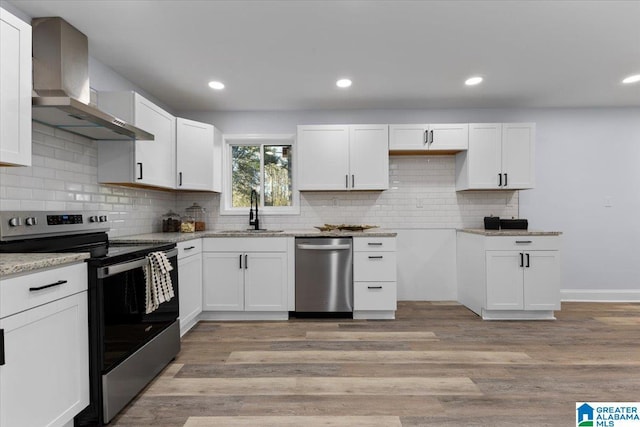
(264,168)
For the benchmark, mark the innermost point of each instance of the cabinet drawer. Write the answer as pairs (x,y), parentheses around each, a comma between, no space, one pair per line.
(384,244)
(374,266)
(522,243)
(374,296)
(245,244)
(16,296)
(190,247)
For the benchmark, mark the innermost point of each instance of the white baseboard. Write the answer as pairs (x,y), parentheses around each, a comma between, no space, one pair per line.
(600,295)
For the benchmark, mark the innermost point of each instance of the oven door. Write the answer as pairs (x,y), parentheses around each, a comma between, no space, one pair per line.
(121,291)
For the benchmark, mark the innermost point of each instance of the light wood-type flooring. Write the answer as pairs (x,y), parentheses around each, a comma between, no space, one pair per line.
(438,364)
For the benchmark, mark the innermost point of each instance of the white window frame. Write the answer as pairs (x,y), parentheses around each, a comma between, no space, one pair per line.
(258,139)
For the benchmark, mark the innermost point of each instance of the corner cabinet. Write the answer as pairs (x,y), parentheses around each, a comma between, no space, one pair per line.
(138,163)
(374,278)
(246,278)
(198,156)
(509,277)
(15,91)
(428,137)
(500,157)
(44,357)
(343,157)
(190,283)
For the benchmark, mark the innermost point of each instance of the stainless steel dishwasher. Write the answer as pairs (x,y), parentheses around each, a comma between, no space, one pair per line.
(324,275)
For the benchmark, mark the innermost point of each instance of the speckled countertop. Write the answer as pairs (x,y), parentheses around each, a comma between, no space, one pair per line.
(182,237)
(22,263)
(484,232)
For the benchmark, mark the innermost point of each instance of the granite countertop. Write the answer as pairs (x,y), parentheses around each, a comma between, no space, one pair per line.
(182,237)
(484,232)
(13,263)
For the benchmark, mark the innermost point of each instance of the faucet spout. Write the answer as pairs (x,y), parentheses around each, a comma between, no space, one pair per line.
(254,220)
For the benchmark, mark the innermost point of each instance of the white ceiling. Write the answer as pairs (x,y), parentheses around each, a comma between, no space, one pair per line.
(284,55)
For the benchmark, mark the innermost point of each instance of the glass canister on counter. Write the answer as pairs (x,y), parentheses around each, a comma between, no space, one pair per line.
(171,222)
(196,212)
(187,224)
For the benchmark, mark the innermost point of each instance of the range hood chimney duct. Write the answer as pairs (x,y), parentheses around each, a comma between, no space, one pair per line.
(61,79)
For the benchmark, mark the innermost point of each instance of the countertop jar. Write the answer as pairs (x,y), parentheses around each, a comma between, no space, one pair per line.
(187,224)
(196,212)
(171,222)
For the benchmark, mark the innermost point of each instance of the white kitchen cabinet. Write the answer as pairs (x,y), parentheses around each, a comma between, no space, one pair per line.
(510,277)
(190,283)
(44,374)
(374,278)
(428,137)
(198,156)
(500,156)
(15,91)
(245,275)
(138,163)
(343,157)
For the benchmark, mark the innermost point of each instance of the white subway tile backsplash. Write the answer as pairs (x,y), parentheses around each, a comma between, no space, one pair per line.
(421,195)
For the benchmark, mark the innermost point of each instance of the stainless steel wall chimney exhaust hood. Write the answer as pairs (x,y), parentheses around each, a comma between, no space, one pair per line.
(61,79)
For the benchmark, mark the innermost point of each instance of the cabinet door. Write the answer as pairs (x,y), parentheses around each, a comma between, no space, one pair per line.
(505,290)
(369,157)
(408,137)
(265,281)
(542,280)
(45,378)
(449,136)
(518,154)
(155,160)
(195,156)
(323,157)
(190,289)
(15,90)
(484,155)
(223,281)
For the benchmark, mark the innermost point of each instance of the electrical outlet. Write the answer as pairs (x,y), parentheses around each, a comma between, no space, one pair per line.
(334,201)
(419,203)
(607,202)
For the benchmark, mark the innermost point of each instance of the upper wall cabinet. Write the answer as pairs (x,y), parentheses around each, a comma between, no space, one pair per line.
(15,91)
(198,156)
(138,163)
(343,157)
(500,156)
(428,138)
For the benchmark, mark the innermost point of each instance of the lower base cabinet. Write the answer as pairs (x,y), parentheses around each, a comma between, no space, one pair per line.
(44,371)
(509,277)
(254,278)
(374,278)
(190,283)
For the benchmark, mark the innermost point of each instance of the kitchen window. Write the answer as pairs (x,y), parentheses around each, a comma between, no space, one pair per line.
(263,163)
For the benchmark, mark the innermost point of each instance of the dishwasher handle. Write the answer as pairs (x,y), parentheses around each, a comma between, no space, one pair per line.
(323,247)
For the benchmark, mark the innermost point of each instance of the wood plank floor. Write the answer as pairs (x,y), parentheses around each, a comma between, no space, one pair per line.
(437,364)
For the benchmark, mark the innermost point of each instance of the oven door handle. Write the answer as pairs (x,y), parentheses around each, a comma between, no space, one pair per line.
(112,270)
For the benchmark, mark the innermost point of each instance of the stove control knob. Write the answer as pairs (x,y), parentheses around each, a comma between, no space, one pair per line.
(15,222)
(31,220)
(103,218)
(93,218)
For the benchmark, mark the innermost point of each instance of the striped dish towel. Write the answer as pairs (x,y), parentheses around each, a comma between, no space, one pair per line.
(158,281)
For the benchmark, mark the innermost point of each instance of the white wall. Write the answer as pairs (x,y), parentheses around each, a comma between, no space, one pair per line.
(587,159)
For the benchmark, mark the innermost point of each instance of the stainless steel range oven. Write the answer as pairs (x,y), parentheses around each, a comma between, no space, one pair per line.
(127,347)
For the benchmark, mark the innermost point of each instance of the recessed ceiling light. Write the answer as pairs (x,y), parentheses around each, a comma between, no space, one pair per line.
(472,81)
(632,79)
(343,83)
(216,85)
